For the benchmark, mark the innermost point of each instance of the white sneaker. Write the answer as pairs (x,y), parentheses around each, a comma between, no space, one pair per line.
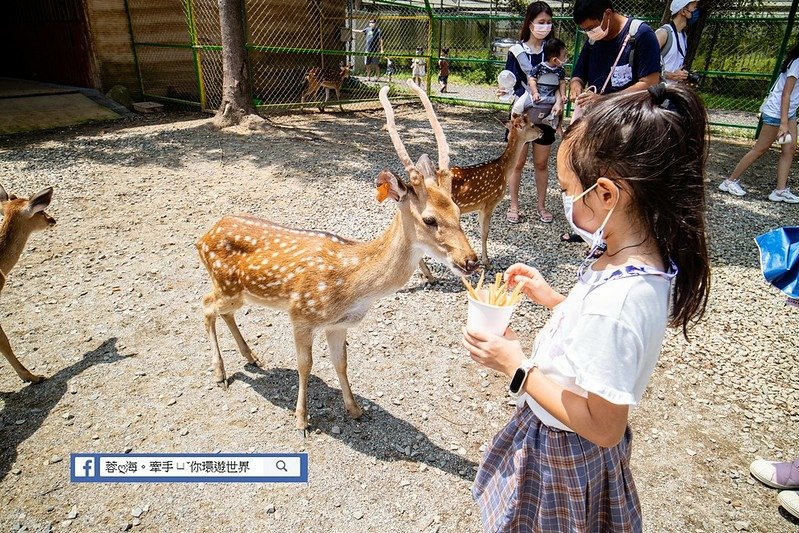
(784,195)
(789,499)
(732,187)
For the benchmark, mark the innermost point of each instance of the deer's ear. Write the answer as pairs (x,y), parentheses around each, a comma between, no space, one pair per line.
(40,201)
(3,194)
(390,186)
(425,166)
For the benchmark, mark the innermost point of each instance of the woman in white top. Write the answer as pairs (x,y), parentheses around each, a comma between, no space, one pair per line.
(674,42)
(778,114)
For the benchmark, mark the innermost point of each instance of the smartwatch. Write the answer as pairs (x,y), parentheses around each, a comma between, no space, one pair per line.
(519,377)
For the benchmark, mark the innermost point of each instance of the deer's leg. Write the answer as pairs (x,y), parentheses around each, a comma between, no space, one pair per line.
(426,271)
(22,372)
(337,341)
(214,304)
(303,341)
(244,348)
(338,97)
(485,224)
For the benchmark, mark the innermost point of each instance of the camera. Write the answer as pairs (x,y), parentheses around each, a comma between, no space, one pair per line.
(693,78)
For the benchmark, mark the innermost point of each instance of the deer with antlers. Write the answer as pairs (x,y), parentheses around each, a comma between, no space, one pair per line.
(21,217)
(328,79)
(481,187)
(326,282)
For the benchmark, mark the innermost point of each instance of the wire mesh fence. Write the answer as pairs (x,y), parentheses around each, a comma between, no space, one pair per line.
(297,53)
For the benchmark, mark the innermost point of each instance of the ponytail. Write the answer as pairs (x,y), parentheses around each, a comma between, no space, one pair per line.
(656,141)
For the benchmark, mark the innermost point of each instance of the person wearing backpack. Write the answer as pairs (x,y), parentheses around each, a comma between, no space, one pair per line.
(620,54)
(674,42)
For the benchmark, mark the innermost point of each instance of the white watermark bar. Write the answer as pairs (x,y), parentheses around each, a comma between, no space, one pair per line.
(188,468)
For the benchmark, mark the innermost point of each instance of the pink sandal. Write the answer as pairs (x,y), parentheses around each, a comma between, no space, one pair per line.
(513,216)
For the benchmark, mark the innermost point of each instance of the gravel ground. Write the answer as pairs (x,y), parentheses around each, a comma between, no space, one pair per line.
(107,305)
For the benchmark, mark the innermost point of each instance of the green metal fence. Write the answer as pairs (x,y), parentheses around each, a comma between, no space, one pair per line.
(178,51)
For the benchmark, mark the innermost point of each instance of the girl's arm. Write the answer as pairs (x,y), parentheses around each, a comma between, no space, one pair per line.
(532,83)
(785,104)
(593,418)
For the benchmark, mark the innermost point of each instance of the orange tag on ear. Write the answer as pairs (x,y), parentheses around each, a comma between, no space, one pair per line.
(382,191)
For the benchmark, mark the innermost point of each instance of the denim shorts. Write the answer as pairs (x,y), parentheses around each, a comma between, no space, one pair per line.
(773,121)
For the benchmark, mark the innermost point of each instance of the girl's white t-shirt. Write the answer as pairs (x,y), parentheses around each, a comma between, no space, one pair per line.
(605,337)
(771,106)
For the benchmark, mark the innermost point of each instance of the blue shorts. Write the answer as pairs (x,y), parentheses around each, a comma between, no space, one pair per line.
(773,121)
(769,120)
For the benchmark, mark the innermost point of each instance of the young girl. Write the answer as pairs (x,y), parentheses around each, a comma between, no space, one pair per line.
(562,462)
(779,121)
(418,65)
(522,58)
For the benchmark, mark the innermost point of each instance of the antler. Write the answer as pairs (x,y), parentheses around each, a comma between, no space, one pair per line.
(443,148)
(392,131)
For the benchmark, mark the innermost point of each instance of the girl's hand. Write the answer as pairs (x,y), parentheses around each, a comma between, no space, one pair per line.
(535,287)
(501,91)
(783,129)
(557,108)
(503,354)
(536,97)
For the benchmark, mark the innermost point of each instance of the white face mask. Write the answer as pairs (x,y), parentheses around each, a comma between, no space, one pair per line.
(541,30)
(597,34)
(595,239)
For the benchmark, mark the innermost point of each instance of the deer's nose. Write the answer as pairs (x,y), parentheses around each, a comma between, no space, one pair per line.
(472,264)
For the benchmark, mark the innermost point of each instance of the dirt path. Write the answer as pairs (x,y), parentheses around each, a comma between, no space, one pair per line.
(107,304)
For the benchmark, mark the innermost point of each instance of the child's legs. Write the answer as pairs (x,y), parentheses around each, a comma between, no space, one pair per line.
(541,165)
(786,157)
(515,179)
(768,134)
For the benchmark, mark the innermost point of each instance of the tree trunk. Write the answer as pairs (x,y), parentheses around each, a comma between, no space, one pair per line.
(236,101)
(695,31)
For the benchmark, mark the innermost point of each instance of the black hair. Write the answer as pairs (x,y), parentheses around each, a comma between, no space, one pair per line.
(553,47)
(533,10)
(445,51)
(590,9)
(654,144)
(792,54)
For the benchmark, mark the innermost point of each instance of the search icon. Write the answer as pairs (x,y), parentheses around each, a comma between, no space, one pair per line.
(281,465)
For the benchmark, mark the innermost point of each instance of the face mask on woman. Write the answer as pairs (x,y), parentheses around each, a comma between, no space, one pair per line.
(694,17)
(541,30)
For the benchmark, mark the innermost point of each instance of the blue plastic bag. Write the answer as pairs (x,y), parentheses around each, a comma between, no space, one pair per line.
(779,259)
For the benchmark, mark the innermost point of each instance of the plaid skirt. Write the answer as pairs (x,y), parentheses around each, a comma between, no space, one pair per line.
(537,478)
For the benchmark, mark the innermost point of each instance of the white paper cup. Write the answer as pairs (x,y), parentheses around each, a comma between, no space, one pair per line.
(491,318)
(785,139)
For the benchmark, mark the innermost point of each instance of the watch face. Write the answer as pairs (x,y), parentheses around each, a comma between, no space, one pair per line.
(518,379)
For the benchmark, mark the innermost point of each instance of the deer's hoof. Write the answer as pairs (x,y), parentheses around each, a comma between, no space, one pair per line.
(221,381)
(33,378)
(303,433)
(354,411)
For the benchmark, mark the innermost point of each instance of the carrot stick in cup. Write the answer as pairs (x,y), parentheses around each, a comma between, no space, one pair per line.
(469,288)
(516,295)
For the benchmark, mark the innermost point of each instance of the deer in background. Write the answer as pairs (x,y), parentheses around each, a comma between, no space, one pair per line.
(481,187)
(326,282)
(21,217)
(326,78)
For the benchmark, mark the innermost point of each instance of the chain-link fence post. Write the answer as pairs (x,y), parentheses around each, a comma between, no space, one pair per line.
(198,69)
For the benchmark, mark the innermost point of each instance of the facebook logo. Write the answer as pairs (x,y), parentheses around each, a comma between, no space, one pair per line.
(83,466)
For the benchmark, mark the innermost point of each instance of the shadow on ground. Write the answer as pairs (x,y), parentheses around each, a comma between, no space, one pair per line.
(34,402)
(375,435)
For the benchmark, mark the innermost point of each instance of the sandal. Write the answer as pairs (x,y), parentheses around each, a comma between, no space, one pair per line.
(545,216)
(570,237)
(513,216)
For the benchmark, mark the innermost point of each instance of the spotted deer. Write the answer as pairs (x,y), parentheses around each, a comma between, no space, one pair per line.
(481,187)
(326,282)
(21,217)
(326,78)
